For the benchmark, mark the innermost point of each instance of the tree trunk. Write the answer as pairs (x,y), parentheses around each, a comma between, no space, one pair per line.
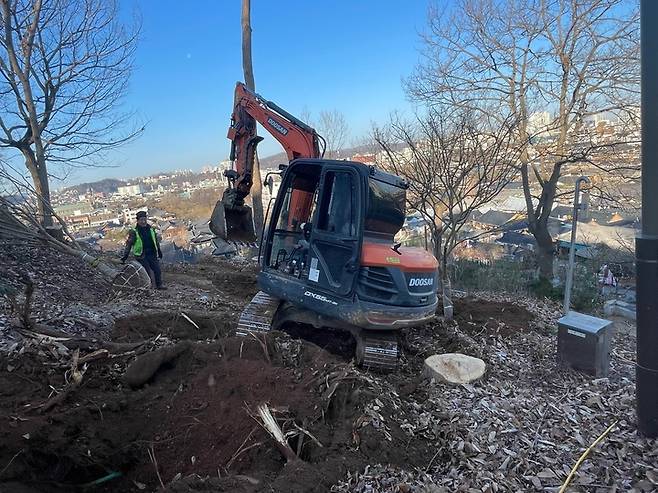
(443,291)
(437,237)
(257,198)
(247,68)
(544,249)
(39,175)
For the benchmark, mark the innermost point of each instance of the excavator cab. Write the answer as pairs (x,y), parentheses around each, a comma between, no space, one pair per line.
(315,222)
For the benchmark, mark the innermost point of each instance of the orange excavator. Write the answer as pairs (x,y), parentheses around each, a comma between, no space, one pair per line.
(328,256)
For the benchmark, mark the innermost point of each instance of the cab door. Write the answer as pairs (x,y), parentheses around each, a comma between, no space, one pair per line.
(335,244)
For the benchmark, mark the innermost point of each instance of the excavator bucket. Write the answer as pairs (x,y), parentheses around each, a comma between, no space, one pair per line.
(233,223)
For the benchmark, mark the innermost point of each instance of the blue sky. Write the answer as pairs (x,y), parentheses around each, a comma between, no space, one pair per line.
(307,56)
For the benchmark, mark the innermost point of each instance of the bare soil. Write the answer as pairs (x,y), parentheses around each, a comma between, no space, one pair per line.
(193,417)
(498,317)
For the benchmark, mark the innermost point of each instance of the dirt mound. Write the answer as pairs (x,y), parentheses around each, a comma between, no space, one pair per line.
(213,420)
(476,314)
(194,417)
(197,326)
(240,283)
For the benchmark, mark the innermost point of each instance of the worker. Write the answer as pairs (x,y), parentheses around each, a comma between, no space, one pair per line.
(143,242)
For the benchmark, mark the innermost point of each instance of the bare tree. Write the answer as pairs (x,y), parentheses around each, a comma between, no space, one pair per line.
(64,68)
(248,69)
(335,130)
(551,65)
(454,164)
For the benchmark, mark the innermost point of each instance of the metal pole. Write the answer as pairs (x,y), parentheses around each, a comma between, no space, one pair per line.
(646,244)
(572,248)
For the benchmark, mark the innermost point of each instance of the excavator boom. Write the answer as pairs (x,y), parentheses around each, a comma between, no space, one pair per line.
(231,219)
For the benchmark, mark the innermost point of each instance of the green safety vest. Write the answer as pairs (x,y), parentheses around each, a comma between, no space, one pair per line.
(138,248)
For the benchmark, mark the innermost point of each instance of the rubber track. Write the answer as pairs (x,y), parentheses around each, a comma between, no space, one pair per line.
(380,350)
(258,314)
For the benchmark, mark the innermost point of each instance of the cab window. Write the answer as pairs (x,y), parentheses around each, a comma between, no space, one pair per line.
(337,213)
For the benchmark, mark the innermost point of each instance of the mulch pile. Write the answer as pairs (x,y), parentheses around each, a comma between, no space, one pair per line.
(525,424)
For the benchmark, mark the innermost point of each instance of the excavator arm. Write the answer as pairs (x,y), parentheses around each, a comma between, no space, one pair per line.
(232,220)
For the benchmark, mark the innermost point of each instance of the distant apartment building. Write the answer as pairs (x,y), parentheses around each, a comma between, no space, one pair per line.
(131,190)
(75,209)
(98,220)
(364,158)
(75,223)
(130,215)
(539,122)
(224,166)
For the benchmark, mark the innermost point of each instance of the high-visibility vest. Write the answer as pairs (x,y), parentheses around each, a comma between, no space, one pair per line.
(138,247)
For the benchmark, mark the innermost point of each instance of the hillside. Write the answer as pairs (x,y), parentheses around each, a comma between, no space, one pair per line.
(167,397)
(107,185)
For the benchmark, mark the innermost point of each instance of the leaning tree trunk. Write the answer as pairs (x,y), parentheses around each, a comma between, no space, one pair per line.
(247,67)
(39,174)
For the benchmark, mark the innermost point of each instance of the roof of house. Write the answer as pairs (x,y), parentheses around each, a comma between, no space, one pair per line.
(516,238)
(495,218)
(562,211)
(592,233)
(515,203)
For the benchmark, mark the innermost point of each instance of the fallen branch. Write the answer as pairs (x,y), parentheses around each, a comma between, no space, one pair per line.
(151,452)
(12,460)
(184,315)
(99,354)
(74,379)
(45,334)
(584,456)
(270,425)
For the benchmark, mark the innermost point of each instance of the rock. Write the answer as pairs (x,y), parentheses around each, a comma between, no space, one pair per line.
(619,308)
(454,368)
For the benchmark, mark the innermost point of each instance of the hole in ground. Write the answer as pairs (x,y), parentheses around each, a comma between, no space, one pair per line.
(338,342)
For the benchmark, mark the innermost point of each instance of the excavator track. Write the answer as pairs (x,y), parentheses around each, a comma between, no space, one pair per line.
(377,350)
(257,316)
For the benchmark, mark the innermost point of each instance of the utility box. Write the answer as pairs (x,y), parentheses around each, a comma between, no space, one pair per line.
(583,343)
